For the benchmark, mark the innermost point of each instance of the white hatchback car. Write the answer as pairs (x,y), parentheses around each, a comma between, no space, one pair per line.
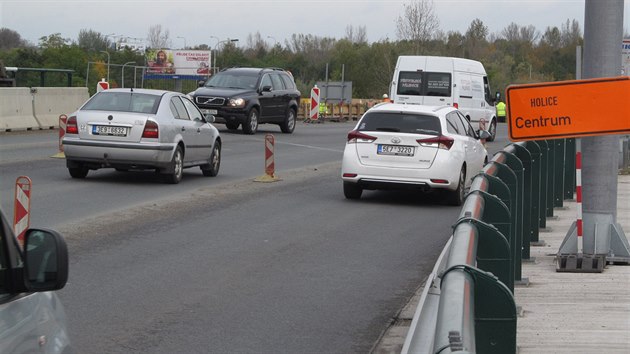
(407,146)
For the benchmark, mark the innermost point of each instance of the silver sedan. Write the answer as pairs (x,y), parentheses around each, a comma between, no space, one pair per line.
(141,129)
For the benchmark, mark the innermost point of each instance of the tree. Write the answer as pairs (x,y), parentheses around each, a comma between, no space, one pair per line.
(417,24)
(158,38)
(571,33)
(53,41)
(356,36)
(551,38)
(475,39)
(92,41)
(10,39)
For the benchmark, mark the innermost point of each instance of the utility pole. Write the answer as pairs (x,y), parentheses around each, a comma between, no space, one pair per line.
(604,239)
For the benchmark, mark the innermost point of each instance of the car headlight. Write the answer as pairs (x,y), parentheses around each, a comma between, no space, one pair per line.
(236,102)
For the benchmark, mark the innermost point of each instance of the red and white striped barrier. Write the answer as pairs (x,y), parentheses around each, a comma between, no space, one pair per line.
(314,116)
(63,121)
(578,192)
(270,165)
(21,211)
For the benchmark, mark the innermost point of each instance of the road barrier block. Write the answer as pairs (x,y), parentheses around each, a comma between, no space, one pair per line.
(16,109)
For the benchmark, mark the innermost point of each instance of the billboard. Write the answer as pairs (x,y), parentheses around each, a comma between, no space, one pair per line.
(178,62)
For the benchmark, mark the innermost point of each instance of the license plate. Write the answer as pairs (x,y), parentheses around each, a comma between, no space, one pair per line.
(109,130)
(209,111)
(397,150)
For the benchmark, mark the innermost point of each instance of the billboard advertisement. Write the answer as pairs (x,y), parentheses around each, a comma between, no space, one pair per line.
(178,62)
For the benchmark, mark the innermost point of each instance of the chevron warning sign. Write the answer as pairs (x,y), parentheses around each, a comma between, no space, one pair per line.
(21,211)
(314,103)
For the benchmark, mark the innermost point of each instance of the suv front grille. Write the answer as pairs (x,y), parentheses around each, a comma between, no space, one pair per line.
(210,101)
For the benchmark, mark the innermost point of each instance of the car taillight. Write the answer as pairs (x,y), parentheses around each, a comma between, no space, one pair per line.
(442,142)
(71,126)
(151,130)
(356,136)
(455,105)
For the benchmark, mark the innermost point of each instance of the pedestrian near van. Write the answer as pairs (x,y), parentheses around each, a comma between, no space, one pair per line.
(501,111)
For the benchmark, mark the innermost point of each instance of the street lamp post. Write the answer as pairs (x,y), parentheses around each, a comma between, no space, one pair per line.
(106,52)
(184,38)
(123,73)
(217,46)
(215,53)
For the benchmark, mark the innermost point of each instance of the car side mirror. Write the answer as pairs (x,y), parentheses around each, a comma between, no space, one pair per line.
(45,260)
(266,88)
(201,83)
(483,134)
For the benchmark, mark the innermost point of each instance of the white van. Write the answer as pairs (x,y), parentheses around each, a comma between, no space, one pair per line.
(439,81)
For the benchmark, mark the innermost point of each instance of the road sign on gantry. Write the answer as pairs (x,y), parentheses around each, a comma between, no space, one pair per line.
(569,109)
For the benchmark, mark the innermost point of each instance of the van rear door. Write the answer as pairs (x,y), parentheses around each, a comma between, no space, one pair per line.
(426,88)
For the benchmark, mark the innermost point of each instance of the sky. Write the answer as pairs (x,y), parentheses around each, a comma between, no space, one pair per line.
(195,22)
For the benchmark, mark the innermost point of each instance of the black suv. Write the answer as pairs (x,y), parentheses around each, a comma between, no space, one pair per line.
(250,96)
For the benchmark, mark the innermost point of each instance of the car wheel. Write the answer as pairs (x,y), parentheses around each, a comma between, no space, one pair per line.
(212,169)
(251,123)
(232,125)
(78,172)
(492,130)
(352,190)
(457,196)
(177,167)
(288,126)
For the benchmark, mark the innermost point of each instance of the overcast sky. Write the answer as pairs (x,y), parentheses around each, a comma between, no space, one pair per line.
(276,20)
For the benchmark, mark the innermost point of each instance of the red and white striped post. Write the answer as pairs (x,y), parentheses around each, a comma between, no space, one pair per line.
(314,116)
(578,192)
(63,121)
(270,165)
(21,210)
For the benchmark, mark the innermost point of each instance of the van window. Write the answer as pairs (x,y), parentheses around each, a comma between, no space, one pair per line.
(419,83)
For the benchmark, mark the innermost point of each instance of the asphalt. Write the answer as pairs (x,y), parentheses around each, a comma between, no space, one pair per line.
(559,312)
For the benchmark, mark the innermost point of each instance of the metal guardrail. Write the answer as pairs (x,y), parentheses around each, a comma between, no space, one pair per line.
(467,304)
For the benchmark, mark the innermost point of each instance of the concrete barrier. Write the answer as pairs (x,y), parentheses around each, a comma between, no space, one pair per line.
(50,102)
(16,109)
(23,108)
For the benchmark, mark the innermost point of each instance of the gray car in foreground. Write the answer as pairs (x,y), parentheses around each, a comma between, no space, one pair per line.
(32,319)
(139,129)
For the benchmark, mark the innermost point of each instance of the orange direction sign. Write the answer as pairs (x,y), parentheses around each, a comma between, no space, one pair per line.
(569,109)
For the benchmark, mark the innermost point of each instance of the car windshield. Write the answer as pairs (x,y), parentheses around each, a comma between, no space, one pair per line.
(233,80)
(401,123)
(123,102)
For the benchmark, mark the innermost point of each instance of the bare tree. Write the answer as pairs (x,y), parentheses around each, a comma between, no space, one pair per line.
(358,35)
(417,24)
(158,38)
(10,39)
(571,33)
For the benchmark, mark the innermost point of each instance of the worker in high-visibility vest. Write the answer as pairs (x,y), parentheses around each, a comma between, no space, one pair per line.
(501,111)
(323,109)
